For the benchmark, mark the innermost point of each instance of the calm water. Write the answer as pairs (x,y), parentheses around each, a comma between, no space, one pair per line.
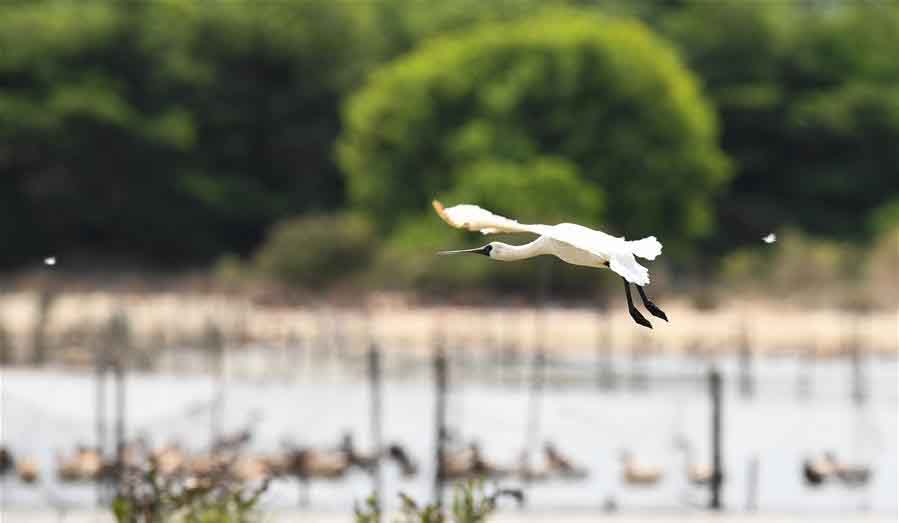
(657,401)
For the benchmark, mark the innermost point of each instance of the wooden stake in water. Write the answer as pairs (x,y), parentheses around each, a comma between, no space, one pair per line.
(535,400)
(717,466)
(639,379)
(605,377)
(374,378)
(532,428)
(39,347)
(120,440)
(214,342)
(440,380)
(752,484)
(859,392)
(6,347)
(747,381)
(118,342)
(295,347)
(100,407)
(807,356)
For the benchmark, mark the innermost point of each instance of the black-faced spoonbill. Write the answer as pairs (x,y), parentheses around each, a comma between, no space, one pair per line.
(571,243)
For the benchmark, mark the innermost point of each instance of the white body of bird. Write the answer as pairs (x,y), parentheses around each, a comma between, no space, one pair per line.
(572,243)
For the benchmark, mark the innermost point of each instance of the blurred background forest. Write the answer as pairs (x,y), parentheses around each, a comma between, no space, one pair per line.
(224,207)
(302,141)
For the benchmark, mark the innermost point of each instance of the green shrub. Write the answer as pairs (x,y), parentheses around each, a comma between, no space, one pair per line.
(795,264)
(146,497)
(470,504)
(314,252)
(885,219)
(600,107)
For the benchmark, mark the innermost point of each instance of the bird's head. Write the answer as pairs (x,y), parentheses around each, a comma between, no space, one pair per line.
(491,250)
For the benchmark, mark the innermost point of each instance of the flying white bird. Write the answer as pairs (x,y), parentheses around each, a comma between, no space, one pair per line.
(571,243)
(50,260)
(771,238)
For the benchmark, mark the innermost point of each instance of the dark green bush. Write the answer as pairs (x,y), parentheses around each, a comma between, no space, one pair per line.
(316,251)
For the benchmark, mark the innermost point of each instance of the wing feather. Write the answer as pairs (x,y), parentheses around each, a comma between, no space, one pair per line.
(626,266)
(474,218)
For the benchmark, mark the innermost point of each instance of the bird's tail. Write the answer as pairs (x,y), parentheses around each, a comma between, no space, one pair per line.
(647,248)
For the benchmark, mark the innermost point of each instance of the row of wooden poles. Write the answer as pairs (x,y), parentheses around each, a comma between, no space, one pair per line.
(442,385)
(213,340)
(109,361)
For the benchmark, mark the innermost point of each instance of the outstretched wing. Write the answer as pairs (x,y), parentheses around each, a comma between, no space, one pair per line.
(473,218)
(618,251)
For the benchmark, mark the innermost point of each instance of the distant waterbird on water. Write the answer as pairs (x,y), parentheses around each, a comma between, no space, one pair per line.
(571,243)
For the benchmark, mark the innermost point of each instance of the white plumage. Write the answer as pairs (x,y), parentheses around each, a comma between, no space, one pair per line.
(570,242)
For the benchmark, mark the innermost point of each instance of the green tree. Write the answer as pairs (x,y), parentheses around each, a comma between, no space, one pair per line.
(600,96)
(808,98)
(168,130)
(266,107)
(75,133)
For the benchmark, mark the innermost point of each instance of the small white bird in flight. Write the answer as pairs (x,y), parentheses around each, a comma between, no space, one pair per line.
(571,243)
(50,260)
(771,238)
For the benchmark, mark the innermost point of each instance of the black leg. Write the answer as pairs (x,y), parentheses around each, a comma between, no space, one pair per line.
(650,306)
(635,314)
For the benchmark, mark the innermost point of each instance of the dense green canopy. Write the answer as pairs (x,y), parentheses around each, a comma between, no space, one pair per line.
(168,131)
(173,131)
(601,103)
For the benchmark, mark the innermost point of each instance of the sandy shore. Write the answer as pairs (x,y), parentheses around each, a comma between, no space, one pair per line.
(768,327)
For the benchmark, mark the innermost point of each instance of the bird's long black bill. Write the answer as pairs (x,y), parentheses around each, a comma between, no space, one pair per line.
(477,250)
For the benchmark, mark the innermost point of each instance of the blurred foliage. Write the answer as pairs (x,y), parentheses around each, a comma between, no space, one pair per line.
(470,504)
(587,111)
(795,264)
(316,251)
(808,95)
(173,131)
(146,497)
(880,269)
(885,218)
(168,130)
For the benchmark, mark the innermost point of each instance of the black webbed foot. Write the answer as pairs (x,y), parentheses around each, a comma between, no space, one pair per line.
(650,306)
(635,314)
(639,318)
